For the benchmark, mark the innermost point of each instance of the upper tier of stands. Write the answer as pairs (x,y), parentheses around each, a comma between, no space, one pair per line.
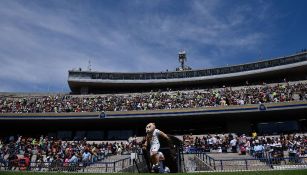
(300,57)
(226,96)
(293,67)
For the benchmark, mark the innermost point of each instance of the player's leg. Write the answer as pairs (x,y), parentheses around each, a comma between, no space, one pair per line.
(154,155)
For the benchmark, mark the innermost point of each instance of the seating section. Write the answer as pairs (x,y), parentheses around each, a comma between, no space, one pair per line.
(226,96)
(53,154)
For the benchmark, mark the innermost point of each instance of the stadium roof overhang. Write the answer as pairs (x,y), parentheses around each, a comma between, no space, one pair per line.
(278,71)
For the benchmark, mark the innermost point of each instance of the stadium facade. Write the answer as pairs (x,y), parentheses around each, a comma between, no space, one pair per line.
(292,67)
(264,118)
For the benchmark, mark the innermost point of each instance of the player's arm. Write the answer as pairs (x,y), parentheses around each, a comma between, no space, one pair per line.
(145,143)
(162,134)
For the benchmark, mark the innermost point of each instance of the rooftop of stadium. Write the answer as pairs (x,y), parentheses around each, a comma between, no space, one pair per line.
(292,67)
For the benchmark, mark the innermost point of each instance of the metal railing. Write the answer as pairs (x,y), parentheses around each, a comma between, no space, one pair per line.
(251,164)
(54,166)
(201,162)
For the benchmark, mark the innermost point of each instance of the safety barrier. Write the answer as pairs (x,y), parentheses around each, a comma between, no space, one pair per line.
(252,164)
(59,166)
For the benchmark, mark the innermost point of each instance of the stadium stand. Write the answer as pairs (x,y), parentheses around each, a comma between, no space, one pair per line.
(218,151)
(53,154)
(267,98)
(265,103)
(227,96)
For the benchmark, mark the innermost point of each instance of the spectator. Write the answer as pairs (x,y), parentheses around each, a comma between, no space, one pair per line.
(74,159)
(258,148)
(233,144)
(86,158)
(3,162)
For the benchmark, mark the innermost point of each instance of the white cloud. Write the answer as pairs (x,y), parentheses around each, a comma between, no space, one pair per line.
(41,41)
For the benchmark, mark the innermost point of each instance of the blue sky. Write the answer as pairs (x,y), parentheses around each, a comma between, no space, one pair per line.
(41,40)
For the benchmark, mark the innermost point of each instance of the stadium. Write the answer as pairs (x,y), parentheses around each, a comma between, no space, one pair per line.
(213,87)
(245,117)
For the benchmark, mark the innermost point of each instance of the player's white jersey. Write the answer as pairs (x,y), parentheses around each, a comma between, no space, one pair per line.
(154,139)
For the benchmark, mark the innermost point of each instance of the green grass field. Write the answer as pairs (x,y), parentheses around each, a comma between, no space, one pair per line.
(284,172)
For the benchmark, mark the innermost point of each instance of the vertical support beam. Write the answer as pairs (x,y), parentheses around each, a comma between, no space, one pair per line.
(221,161)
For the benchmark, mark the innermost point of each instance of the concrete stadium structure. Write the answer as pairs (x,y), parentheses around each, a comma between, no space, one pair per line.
(264,118)
(292,67)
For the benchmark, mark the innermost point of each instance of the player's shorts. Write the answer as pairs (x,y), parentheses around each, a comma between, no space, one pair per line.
(161,156)
(154,149)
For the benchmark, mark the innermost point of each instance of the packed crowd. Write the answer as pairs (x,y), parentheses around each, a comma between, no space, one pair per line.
(274,146)
(51,152)
(155,100)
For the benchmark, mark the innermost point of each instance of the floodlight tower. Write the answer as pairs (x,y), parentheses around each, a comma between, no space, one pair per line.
(182,58)
(89,66)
